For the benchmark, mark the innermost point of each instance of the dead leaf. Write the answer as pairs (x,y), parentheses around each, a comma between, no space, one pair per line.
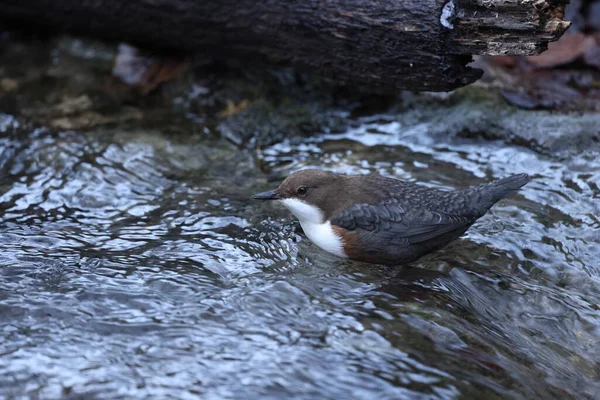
(9,85)
(146,71)
(555,89)
(592,55)
(568,49)
(564,77)
(233,108)
(505,61)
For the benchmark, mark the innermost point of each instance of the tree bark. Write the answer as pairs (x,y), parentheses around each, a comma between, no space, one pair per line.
(422,45)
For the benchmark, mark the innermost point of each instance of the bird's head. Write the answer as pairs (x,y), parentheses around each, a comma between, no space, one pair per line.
(310,194)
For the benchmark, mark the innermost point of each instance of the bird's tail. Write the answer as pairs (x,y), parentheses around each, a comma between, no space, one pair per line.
(486,195)
(507,186)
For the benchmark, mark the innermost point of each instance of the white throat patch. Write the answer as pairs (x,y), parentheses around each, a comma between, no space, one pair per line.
(316,229)
(303,211)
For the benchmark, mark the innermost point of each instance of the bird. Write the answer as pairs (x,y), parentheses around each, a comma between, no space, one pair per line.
(381,220)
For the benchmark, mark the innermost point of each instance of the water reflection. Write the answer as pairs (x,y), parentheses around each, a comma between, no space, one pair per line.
(134,265)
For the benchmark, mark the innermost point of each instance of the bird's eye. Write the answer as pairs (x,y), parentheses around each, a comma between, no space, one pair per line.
(302,190)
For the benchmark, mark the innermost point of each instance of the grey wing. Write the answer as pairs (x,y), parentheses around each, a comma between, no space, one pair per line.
(398,225)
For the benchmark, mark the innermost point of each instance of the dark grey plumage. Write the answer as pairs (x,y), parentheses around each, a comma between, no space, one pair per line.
(407,221)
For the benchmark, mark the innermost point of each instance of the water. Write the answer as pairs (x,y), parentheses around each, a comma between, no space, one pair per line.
(134,265)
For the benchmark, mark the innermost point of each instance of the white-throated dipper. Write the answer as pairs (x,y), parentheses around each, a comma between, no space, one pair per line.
(383,220)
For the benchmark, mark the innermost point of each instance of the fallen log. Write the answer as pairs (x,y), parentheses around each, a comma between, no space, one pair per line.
(421,45)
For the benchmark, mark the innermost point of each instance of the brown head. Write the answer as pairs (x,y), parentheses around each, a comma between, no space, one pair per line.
(326,191)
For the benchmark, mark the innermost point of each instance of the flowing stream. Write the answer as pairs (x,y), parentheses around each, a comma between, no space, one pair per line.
(134,265)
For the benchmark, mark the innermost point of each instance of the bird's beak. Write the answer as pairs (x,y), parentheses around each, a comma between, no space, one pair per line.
(270,195)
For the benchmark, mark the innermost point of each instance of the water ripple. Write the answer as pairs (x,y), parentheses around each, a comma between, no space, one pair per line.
(135,266)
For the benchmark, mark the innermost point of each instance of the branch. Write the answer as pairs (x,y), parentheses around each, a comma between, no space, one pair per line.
(422,45)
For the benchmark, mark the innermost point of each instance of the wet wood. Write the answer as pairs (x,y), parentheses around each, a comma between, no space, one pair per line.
(422,45)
